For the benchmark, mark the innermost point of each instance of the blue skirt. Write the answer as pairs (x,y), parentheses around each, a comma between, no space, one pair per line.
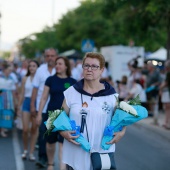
(6,119)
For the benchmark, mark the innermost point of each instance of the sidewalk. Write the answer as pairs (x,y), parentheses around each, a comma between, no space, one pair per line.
(148,123)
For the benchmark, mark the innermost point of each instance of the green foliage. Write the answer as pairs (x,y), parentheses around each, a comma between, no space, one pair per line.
(37,42)
(5,54)
(52,116)
(135,101)
(107,22)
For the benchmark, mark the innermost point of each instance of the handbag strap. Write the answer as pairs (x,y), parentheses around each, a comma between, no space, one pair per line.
(85,119)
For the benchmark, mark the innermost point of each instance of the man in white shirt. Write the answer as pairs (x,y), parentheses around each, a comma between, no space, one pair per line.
(74,70)
(42,73)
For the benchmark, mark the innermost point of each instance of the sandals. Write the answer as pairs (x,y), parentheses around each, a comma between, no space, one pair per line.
(24,155)
(50,166)
(3,134)
(31,157)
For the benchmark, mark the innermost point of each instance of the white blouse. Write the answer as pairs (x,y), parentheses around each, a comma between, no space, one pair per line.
(100,110)
(28,87)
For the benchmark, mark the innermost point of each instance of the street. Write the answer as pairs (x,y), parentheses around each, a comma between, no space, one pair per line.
(139,149)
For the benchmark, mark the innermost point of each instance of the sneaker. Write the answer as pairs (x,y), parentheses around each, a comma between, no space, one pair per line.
(36,146)
(31,157)
(24,155)
(41,163)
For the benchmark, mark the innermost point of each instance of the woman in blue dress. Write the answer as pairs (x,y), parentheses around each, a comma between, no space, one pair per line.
(55,86)
(7,88)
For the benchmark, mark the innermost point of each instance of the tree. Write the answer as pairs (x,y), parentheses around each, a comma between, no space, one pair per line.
(107,22)
(38,42)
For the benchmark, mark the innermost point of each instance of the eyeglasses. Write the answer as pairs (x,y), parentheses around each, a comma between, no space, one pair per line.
(87,66)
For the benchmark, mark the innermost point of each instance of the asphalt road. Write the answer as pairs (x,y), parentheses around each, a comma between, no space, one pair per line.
(139,149)
(142,149)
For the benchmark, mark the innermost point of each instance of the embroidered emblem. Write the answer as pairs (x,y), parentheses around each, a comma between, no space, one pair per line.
(106,107)
(66,85)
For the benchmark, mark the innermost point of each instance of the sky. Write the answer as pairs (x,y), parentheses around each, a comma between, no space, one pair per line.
(20,18)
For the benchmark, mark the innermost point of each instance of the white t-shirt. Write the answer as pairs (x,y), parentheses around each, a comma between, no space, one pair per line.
(80,71)
(75,73)
(97,119)
(22,72)
(137,89)
(40,77)
(105,73)
(132,77)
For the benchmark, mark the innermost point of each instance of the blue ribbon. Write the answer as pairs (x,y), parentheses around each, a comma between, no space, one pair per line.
(75,128)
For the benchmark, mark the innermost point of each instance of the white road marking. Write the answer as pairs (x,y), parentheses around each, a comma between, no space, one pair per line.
(17,151)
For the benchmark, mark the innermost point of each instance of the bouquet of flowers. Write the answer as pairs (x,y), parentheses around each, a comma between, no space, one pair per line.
(126,114)
(58,120)
(52,115)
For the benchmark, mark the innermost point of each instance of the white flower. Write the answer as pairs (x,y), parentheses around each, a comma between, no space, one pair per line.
(127,108)
(52,116)
(48,125)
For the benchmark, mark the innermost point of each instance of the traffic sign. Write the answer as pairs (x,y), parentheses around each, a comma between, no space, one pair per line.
(87,45)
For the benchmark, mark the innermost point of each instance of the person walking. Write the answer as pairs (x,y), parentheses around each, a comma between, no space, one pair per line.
(42,73)
(153,80)
(55,86)
(165,95)
(27,119)
(100,101)
(7,94)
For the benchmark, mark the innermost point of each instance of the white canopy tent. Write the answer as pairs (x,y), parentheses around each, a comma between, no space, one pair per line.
(160,54)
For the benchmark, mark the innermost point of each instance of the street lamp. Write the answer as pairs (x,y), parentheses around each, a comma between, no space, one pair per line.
(53,12)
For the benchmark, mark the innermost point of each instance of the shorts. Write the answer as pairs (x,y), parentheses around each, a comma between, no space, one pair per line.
(53,137)
(26,104)
(165,98)
(152,97)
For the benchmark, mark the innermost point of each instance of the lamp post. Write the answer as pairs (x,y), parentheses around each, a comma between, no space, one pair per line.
(53,12)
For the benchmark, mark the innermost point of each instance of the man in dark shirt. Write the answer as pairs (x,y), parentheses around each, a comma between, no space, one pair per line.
(153,81)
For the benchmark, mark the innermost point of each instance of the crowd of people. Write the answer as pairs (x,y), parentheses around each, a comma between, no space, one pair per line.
(31,91)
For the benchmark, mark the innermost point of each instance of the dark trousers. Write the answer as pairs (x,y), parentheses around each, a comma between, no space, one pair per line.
(69,167)
(41,139)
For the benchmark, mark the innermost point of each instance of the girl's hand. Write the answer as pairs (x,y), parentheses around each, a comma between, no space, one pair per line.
(39,120)
(33,111)
(19,112)
(67,135)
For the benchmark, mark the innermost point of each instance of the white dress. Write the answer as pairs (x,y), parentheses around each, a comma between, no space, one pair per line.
(100,110)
